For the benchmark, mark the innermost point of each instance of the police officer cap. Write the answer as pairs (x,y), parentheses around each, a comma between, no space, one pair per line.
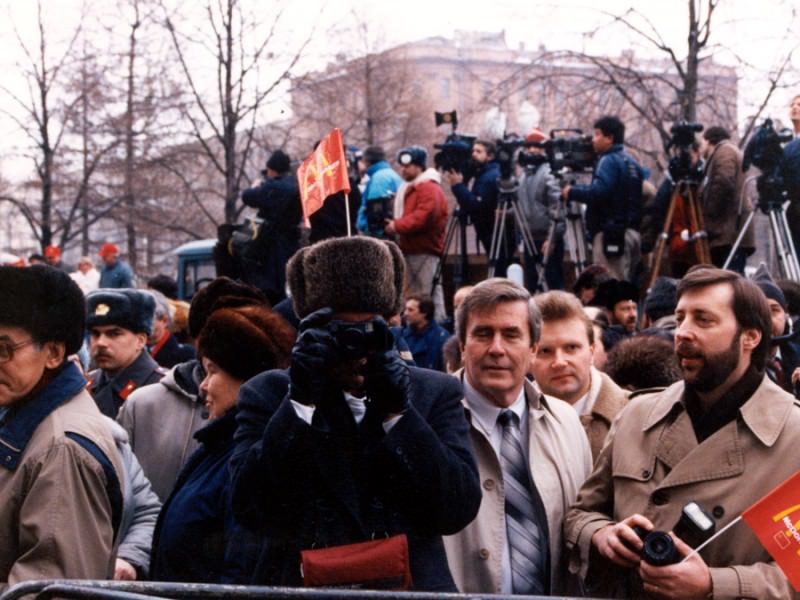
(127,308)
(413,155)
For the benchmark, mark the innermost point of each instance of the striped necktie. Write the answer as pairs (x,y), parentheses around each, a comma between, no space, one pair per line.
(525,540)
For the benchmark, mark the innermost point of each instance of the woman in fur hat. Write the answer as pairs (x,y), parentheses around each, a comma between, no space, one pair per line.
(196,538)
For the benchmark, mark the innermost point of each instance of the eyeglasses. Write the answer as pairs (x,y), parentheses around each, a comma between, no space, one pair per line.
(7,349)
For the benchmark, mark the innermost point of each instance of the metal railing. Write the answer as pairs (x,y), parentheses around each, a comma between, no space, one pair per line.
(79,589)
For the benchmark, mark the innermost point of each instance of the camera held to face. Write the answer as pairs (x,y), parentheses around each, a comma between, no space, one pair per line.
(359,339)
(694,527)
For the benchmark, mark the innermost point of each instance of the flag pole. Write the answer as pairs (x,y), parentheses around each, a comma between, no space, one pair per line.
(712,538)
(347,212)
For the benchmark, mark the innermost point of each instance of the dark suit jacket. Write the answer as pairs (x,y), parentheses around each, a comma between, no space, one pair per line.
(335,482)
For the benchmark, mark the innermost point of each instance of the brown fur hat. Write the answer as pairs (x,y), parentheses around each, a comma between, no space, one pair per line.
(358,274)
(246,340)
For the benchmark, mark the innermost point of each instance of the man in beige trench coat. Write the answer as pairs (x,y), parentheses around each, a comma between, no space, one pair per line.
(723,437)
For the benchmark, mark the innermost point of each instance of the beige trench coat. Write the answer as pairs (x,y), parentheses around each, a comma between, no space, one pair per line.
(652,465)
(560,460)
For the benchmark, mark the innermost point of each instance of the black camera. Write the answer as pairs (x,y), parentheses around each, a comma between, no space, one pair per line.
(694,527)
(531,159)
(568,152)
(504,155)
(359,339)
(765,151)
(683,134)
(377,211)
(455,153)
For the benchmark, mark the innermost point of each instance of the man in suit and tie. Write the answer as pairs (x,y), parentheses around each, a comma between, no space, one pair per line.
(532,452)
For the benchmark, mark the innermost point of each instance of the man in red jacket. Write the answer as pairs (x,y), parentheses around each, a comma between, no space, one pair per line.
(420,220)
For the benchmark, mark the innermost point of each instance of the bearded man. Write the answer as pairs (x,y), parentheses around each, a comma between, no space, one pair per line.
(722,437)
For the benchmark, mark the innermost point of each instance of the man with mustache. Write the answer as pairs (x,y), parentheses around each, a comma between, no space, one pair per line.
(723,436)
(119,322)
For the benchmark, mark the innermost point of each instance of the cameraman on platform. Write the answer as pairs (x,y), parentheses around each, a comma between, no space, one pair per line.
(540,200)
(614,201)
(791,173)
(477,197)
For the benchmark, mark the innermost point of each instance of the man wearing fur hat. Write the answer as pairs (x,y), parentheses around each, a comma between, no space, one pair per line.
(119,322)
(60,491)
(350,443)
(420,220)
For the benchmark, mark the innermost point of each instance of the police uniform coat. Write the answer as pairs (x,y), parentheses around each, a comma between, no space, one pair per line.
(60,486)
(110,393)
(653,465)
(335,482)
(560,460)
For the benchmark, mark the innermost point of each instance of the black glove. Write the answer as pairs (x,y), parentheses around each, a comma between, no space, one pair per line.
(311,358)
(386,375)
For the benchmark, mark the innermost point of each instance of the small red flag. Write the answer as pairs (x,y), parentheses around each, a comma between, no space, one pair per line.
(323,173)
(775,519)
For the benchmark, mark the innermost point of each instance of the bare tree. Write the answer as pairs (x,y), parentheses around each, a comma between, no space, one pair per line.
(45,111)
(224,123)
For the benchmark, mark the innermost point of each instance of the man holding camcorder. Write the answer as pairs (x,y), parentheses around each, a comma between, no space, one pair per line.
(614,201)
(350,444)
(721,438)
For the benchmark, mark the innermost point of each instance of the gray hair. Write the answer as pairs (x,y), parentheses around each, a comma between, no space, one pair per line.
(163,307)
(489,294)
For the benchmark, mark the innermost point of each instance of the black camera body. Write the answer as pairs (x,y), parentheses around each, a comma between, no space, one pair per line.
(573,152)
(377,211)
(455,154)
(683,134)
(359,339)
(694,527)
(765,151)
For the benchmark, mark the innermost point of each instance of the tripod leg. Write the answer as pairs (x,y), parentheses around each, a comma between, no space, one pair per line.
(497,227)
(793,270)
(529,245)
(662,239)
(739,239)
(699,234)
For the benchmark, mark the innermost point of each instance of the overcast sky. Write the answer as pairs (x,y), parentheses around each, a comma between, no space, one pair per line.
(751,35)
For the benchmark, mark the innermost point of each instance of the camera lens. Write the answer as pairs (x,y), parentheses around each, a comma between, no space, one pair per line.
(659,549)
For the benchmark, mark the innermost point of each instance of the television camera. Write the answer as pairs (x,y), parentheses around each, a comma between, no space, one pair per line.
(680,164)
(455,154)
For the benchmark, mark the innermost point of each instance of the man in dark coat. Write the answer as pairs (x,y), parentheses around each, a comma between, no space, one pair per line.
(277,199)
(119,322)
(343,450)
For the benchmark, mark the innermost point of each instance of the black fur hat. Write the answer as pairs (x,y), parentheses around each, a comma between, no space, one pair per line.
(45,302)
(127,308)
(612,291)
(357,274)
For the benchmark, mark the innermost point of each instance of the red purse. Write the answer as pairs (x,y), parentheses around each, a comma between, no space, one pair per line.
(380,564)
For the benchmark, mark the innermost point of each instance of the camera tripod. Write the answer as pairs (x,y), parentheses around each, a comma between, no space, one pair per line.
(781,237)
(575,236)
(507,200)
(686,190)
(458,221)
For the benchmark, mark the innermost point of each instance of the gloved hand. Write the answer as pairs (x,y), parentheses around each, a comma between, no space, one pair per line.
(312,356)
(386,375)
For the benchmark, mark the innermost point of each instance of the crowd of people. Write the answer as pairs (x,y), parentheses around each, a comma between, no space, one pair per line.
(337,416)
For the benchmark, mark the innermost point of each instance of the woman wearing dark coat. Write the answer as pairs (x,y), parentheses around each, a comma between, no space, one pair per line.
(196,537)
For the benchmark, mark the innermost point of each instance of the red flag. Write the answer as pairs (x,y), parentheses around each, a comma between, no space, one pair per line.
(323,173)
(775,519)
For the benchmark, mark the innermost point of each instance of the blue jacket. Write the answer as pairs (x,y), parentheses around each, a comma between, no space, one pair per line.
(614,198)
(480,203)
(791,168)
(196,537)
(426,345)
(118,275)
(383,180)
(335,482)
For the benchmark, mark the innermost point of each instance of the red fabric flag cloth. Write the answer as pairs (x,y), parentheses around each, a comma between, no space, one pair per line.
(323,173)
(775,519)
